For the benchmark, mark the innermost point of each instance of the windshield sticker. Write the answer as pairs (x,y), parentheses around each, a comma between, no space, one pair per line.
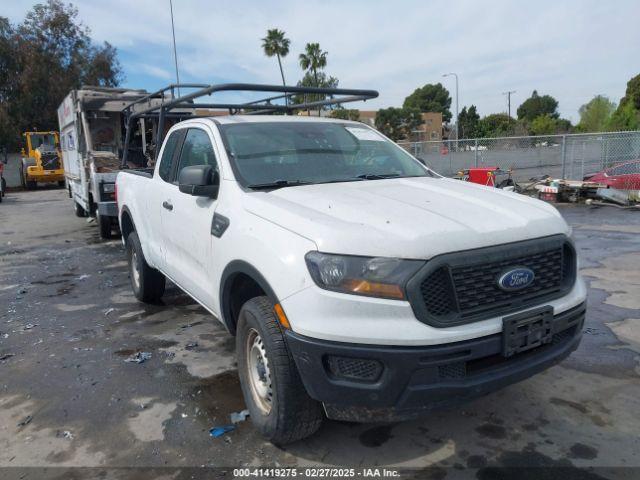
(365,134)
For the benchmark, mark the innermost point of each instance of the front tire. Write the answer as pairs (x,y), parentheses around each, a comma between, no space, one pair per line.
(278,403)
(147,283)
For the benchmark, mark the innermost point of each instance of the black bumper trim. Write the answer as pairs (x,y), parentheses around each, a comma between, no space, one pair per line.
(419,379)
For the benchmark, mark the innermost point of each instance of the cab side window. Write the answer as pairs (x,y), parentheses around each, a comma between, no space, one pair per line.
(196,150)
(167,160)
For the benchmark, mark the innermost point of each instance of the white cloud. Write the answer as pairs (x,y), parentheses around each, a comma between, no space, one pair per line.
(152,70)
(571,50)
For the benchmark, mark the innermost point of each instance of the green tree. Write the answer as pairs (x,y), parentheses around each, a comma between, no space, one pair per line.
(469,122)
(321,80)
(625,118)
(632,94)
(497,125)
(537,105)
(41,60)
(627,115)
(543,125)
(346,114)
(397,123)
(564,125)
(276,44)
(595,115)
(312,60)
(430,98)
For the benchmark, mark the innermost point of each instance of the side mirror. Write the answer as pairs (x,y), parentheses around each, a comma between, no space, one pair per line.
(200,181)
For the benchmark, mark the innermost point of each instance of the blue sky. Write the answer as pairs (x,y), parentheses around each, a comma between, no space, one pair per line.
(572,50)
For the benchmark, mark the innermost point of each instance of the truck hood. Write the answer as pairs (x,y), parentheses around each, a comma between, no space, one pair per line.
(408,217)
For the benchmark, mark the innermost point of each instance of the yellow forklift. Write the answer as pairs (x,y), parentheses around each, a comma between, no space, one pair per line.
(41,160)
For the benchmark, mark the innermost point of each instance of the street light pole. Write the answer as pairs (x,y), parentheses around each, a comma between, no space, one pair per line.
(175,53)
(508,94)
(457,97)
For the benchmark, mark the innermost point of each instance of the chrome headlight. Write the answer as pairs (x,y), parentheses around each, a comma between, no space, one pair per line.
(371,276)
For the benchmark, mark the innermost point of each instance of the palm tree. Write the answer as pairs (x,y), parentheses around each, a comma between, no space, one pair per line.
(275,43)
(313,60)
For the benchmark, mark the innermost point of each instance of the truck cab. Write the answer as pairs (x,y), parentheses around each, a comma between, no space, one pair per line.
(41,159)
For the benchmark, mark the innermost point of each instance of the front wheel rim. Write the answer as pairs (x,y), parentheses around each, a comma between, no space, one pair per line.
(135,273)
(258,372)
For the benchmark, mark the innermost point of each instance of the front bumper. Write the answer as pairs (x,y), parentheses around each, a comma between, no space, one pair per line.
(409,381)
(40,175)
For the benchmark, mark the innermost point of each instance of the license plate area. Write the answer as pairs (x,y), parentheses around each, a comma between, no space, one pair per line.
(524,331)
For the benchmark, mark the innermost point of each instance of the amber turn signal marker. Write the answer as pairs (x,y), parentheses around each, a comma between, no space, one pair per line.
(374,289)
(282,318)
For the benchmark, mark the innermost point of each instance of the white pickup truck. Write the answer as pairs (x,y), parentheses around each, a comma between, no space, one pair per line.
(359,284)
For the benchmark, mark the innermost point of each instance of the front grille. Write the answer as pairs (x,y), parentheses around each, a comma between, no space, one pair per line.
(50,163)
(462,287)
(476,286)
(359,369)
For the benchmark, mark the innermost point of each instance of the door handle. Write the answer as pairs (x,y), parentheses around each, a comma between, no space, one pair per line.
(167,204)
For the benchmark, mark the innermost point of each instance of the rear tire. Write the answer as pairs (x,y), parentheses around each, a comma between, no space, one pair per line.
(31,185)
(80,212)
(273,391)
(104,224)
(147,283)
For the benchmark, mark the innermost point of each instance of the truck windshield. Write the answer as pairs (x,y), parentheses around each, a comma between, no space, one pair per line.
(283,154)
(44,141)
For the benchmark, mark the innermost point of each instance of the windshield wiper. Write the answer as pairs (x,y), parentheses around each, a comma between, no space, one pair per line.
(278,184)
(376,176)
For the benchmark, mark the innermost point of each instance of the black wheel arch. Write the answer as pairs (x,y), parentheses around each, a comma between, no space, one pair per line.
(240,282)
(126,223)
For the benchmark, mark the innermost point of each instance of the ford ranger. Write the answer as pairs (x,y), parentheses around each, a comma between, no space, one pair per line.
(359,284)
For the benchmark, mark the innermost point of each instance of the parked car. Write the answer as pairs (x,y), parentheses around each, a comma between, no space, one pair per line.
(623,176)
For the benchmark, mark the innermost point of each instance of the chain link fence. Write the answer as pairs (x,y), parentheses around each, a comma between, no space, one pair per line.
(559,156)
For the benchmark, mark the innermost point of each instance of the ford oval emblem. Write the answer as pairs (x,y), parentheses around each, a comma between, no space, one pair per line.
(516,279)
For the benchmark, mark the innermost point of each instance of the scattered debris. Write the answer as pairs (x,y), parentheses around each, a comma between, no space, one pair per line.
(64,434)
(217,432)
(25,421)
(191,346)
(29,326)
(138,357)
(22,291)
(614,195)
(5,335)
(108,311)
(83,276)
(184,415)
(6,356)
(237,417)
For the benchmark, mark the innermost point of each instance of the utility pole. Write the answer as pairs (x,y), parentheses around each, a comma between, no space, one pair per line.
(175,53)
(457,96)
(508,94)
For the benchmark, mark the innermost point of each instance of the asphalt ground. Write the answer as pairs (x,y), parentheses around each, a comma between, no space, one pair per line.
(71,407)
